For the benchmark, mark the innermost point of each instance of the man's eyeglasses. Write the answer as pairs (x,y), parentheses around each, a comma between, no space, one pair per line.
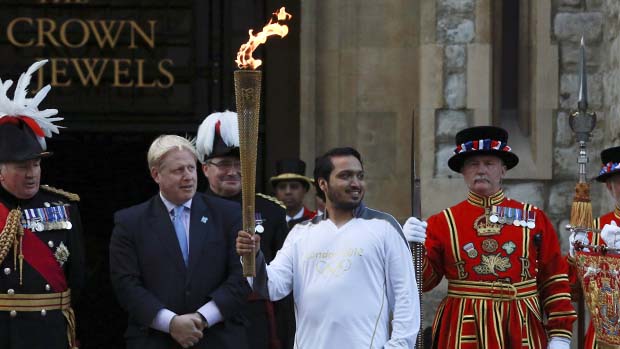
(226,164)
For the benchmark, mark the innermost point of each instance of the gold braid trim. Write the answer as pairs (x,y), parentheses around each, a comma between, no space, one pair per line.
(272,199)
(12,229)
(68,195)
(71,326)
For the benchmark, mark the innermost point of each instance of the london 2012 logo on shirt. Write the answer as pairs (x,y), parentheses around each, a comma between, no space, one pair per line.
(334,263)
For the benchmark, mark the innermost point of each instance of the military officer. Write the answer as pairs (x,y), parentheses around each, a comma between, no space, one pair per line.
(501,258)
(290,185)
(41,254)
(217,144)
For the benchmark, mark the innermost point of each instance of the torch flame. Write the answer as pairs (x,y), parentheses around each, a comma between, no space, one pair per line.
(244,56)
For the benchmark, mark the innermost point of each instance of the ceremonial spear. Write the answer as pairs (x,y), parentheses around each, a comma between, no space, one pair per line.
(417,249)
(582,123)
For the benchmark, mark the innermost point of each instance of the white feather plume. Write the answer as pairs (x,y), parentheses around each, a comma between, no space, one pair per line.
(229,130)
(41,141)
(28,107)
(4,98)
(21,89)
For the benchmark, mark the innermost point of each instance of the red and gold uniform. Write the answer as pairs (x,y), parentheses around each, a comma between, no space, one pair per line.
(594,239)
(503,280)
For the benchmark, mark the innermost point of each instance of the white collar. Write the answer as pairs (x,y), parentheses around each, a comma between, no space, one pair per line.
(296,216)
(170,206)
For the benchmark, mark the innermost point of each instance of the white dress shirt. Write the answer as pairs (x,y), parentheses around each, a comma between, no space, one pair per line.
(209,311)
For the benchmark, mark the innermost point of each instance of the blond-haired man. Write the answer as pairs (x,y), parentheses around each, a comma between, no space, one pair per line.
(172,260)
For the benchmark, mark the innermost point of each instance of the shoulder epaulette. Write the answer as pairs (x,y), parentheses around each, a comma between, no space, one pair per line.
(272,199)
(68,195)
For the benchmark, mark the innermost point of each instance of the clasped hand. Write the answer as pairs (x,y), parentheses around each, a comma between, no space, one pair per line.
(187,329)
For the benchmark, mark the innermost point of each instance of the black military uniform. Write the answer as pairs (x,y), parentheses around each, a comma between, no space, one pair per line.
(218,136)
(41,253)
(42,323)
(270,215)
(264,317)
(290,170)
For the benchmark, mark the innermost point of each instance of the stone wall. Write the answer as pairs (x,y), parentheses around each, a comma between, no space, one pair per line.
(572,20)
(611,67)
(435,56)
(455,29)
(358,82)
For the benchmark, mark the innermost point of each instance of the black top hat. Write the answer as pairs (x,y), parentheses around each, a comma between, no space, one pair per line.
(18,142)
(291,170)
(610,158)
(482,140)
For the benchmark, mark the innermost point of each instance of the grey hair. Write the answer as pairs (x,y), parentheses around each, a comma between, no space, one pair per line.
(165,143)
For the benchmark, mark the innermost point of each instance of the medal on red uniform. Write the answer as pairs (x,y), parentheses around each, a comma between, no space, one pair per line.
(531,219)
(470,250)
(502,215)
(494,218)
(517,221)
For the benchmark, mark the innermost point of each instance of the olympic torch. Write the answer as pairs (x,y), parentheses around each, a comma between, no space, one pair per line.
(247,93)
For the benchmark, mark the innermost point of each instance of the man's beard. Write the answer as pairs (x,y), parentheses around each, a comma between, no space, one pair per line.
(346,205)
(343,205)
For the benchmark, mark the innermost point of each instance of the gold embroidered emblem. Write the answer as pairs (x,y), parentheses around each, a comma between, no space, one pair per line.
(492,262)
(484,227)
(62,253)
(489,245)
(598,274)
(460,266)
(525,268)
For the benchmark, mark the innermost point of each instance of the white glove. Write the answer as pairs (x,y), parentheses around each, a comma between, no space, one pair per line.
(558,343)
(415,230)
(611,234)
(578,236)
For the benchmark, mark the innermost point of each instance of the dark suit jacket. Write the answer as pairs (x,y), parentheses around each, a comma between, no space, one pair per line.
(148,273)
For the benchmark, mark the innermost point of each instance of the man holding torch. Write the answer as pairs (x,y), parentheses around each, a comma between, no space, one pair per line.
(347,263)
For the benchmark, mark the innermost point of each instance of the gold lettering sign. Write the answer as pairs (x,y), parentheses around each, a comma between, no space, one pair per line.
(105,33)
(75,33)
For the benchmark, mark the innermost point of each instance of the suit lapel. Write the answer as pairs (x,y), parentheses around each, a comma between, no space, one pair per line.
(162,227)
(199,228)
